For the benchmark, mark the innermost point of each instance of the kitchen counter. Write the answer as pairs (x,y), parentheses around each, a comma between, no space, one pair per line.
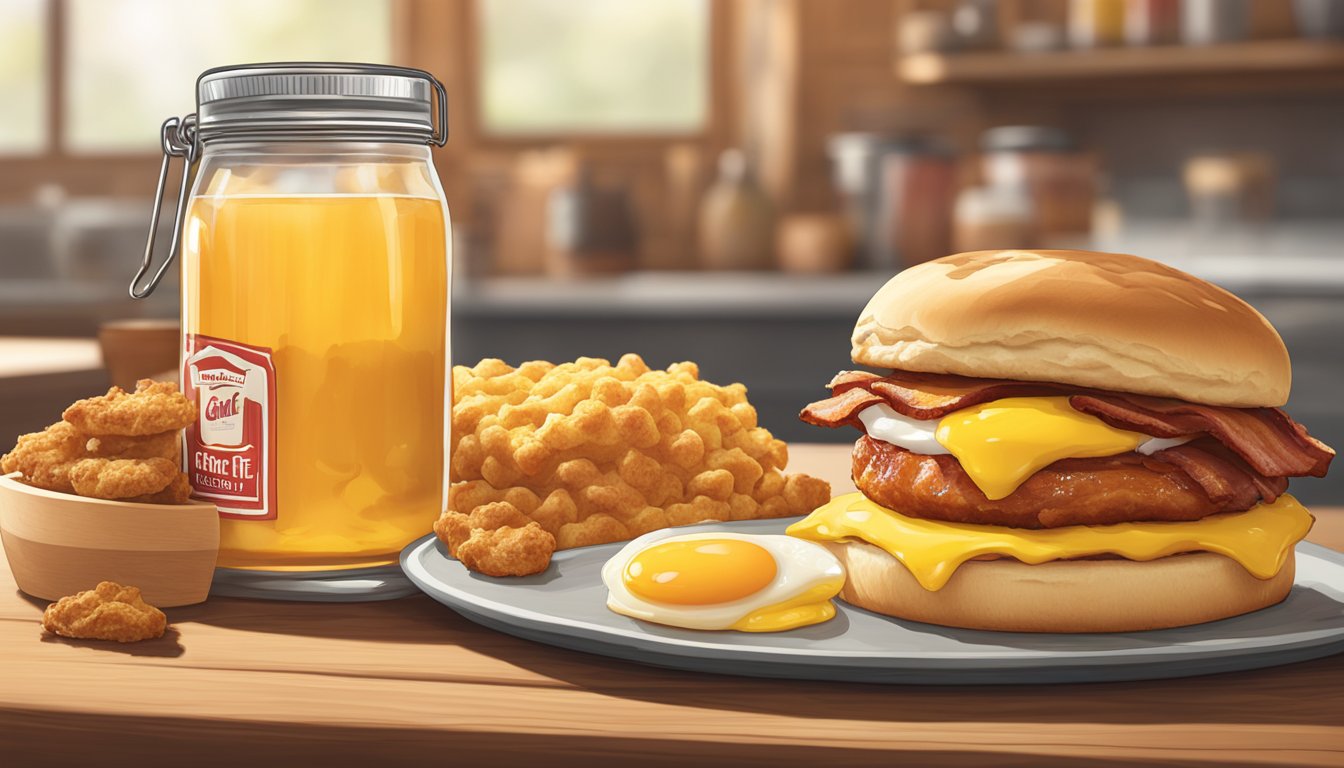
(265,683)
(25,356)
(747,294)
(40,376)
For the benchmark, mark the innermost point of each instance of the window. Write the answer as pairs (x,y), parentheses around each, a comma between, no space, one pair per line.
(594,66)
(23,86)
(126,65)
(132,63)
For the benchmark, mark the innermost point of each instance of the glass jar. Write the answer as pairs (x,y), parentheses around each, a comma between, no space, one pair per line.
(899,192)
(315,285)
(1096,23)
(1045,164)
(993,218)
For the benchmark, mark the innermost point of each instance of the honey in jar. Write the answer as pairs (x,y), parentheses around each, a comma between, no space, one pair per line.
(315,285)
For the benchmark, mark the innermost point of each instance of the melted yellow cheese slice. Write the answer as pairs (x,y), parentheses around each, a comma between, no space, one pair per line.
(1259,538)
(1003,442)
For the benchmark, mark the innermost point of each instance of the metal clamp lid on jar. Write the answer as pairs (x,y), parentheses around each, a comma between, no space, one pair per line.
(293,102)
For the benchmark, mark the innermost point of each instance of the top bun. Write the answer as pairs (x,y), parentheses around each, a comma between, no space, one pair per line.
(1103,320)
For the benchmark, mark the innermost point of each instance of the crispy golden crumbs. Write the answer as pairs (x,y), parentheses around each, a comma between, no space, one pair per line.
(155,407)
(593,453)
(107,612)
(118,446)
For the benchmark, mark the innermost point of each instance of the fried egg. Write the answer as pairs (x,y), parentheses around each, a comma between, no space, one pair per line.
(1003,442)
(750,583)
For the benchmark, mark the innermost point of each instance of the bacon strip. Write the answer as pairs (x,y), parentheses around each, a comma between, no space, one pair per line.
(840,409)
(1267,439)
(915,395)
(933,396)
(1222,475)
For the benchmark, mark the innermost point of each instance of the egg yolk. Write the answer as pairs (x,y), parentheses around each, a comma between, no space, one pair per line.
(811,607)
(1002,443)
(700,571)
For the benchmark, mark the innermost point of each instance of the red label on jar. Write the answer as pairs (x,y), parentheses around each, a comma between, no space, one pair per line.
(231,446)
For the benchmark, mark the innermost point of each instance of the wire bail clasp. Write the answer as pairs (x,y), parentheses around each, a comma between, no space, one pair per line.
(439,135)
(178,137)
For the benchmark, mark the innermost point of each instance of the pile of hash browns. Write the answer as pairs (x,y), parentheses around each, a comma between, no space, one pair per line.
(548,457)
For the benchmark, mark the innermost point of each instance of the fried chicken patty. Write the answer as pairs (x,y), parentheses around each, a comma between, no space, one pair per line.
(122,478)
(106,612)
(153,408)
(1114,489)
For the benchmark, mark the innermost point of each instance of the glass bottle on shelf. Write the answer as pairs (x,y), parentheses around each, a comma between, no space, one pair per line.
(736,219)
(1096,23)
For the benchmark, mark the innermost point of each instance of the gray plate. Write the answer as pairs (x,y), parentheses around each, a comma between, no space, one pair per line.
(566,606)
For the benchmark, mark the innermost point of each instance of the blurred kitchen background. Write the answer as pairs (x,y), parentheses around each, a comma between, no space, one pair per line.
(725,181)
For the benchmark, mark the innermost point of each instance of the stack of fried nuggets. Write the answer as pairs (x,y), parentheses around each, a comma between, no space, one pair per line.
(121,445)
(549,457)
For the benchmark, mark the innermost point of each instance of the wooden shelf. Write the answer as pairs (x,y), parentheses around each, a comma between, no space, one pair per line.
(1256,57)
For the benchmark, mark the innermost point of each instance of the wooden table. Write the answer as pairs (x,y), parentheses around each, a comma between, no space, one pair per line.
(242,683)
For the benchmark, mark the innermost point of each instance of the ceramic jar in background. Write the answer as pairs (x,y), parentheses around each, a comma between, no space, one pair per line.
(1047,165)
(590,229)
(993,218)
(975,25)
(1209,22)
(1152,22)
(814,242)
(1319,19)
(140,349)
(1231,199)
(924,32)
(898,193)
(1096,23)
(736,219)
(1229,189)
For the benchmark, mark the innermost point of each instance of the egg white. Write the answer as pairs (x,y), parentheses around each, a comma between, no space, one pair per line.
(800,566)
(882,422)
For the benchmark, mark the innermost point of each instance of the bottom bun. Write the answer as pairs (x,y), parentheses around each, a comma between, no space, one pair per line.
(1062,595)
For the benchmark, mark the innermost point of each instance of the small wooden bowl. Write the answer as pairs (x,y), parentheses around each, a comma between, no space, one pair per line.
(59,544)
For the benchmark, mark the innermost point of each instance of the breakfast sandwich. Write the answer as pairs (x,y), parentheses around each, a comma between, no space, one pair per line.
(1065,441)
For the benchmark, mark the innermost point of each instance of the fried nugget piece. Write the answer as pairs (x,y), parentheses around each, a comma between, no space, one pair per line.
(454,528)
(507,551)
(45,458)
(107,612)
(165,445)
(178,491)
(155,407)
(121,478)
